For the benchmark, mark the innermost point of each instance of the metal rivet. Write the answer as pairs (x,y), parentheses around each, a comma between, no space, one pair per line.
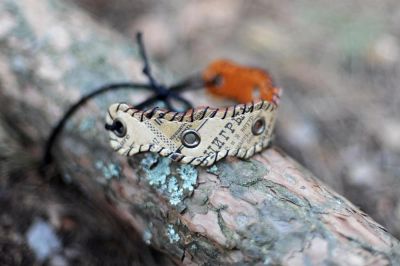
(258,126)
(190,138)
(119,128)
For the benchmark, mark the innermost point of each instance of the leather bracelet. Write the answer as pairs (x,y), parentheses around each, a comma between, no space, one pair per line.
(203,135)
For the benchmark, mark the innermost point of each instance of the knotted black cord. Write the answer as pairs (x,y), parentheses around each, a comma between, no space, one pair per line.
(162,93)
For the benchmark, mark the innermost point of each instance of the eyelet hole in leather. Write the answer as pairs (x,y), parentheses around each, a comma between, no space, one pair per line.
(258,126)
(190,138)
(119,128)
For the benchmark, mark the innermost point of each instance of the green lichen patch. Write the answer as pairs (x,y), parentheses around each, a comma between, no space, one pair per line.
(174,181)
(282,228)
(213,170)
(188,175)
(109,170)
(285,219)
(242,173)
(242,176)
(147,236)
(175,192)
(172,234)
(157,169)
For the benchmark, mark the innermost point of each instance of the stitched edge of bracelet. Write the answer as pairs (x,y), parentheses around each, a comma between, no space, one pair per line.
(205,160)
(195,114)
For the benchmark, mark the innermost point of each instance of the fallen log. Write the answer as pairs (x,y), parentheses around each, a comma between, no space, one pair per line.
(266,210)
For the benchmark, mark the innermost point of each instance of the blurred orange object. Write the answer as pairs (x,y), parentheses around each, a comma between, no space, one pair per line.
(240,83)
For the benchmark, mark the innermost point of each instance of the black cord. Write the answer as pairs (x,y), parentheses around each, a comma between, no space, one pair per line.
(192,83)
(162,93)
(61,123)
(159,89)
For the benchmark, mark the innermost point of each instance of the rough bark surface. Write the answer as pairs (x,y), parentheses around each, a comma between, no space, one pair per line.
(267,210)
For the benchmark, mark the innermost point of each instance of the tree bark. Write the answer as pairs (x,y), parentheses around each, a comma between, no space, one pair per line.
(266,210)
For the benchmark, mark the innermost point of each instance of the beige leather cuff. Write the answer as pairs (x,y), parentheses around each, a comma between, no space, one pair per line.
(199,136)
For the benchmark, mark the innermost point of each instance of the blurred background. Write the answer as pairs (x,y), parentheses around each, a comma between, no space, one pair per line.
(337,61)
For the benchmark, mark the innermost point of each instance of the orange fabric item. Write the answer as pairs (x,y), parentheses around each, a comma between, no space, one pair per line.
(243,84)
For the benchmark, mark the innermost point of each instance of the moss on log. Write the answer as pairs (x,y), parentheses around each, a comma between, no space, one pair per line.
(266,210)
